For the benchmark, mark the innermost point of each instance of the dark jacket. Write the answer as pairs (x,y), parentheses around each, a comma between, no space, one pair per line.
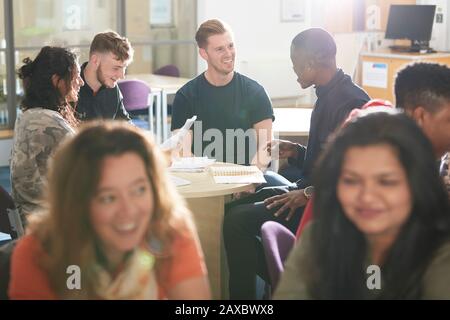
(107,103)
(334,102)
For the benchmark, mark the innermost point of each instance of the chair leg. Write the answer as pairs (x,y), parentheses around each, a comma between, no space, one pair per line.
(267,292)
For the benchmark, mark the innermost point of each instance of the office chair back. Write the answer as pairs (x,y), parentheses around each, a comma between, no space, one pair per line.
(10,221)
(6,252)
(169,70)
(277,241)
(135,94)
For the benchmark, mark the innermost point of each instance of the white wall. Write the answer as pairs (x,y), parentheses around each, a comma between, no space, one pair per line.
(440,38)
(262,41)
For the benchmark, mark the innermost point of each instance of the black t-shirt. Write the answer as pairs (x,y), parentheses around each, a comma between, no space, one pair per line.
(107,103)
(221,112)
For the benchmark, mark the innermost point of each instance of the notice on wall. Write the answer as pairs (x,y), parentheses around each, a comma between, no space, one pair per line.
(292,10)
(375,74)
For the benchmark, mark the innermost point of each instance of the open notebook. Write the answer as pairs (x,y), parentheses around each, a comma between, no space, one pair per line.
(232,174)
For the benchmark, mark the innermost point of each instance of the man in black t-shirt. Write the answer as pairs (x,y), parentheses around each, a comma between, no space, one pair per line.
(100,97)
(234,113)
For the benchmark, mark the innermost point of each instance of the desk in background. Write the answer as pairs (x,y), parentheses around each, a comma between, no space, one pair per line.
(206,200)
(288,121)
(380,67)
(292,122)
(165,86)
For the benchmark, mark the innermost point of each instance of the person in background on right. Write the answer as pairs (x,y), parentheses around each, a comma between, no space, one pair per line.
(422,90)
(313,56)
(381,225)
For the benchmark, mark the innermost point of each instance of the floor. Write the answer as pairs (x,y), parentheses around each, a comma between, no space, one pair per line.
(141,122)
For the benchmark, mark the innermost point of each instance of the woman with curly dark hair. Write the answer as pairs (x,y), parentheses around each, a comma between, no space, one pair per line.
(51,83)
(381,225)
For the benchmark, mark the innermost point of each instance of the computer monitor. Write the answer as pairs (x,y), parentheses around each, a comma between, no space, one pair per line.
(413,22)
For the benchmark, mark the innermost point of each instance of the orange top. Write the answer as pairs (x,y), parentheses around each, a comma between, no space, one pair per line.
(30,281)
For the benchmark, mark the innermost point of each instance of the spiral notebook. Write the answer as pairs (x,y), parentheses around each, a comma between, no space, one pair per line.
(232,174)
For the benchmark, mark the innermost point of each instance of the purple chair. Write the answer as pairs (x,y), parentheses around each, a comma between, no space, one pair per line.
(169,70)
(277,241)
(136,98)
(135,94)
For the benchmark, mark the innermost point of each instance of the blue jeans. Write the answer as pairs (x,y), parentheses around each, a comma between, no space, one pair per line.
(274,180)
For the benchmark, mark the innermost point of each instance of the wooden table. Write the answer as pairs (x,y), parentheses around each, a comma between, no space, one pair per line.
(383,65)
(166,85)
(206,200)
(6,134)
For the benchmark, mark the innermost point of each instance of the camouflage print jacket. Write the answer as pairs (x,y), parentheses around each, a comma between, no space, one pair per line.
(37,133)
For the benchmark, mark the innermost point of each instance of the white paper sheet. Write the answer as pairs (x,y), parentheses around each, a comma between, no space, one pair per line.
(177,138)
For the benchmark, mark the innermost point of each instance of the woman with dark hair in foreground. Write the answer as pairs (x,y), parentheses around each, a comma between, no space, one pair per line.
(381,225)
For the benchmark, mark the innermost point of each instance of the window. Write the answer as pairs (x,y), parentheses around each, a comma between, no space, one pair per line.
(64,23)
(67,23)
(3,91)
(161,42)
(168,39)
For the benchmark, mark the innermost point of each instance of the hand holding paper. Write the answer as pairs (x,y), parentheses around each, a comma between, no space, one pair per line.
(176,140)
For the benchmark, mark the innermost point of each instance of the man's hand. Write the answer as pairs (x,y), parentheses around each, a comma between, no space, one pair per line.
(291,200)
(168,157)
(283,148)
